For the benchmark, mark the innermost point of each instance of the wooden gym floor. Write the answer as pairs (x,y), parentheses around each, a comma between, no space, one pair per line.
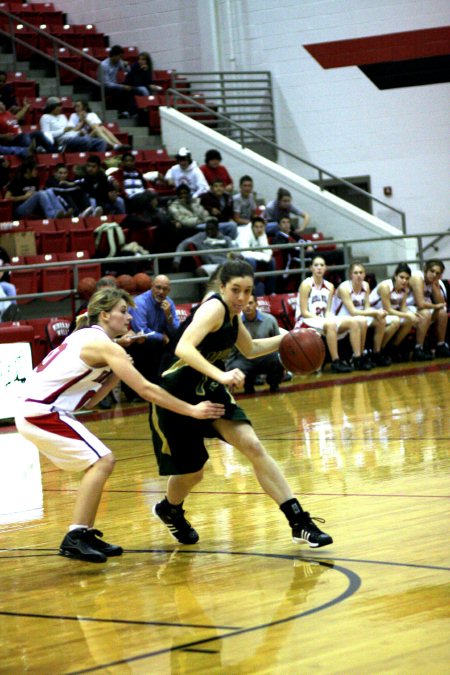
(370,456)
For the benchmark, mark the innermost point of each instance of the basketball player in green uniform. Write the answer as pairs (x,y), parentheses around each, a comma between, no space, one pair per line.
(197,373)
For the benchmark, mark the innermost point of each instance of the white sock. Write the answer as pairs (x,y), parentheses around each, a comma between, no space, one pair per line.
(75,526)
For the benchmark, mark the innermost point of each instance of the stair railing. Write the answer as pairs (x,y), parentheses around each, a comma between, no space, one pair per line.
(56,43)
(222,123)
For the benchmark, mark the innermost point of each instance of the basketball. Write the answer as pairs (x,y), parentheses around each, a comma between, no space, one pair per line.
(126,282)
(86,287)
(143,282)
(302,351)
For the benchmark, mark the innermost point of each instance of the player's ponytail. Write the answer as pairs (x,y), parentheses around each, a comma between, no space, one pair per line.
(82,321)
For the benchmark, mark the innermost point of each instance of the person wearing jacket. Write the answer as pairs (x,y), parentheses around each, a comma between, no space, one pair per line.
(187,172)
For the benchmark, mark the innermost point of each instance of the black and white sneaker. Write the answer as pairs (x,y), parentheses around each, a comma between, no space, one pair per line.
(110,550)
(419,354)
(442,350)
(173,518)
(78,544)
(305,531)
(339,366)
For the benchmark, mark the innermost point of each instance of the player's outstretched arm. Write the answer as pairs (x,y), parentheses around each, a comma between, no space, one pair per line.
(252,348)
(116,358)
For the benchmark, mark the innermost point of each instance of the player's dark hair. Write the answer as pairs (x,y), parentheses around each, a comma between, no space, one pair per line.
(401,267)
(258,219)
(244,179)
(431,263)
(282,192)
(212,154)
(235,268)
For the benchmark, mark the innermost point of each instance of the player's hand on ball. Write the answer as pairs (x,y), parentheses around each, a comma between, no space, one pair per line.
(234,378)
(208,410)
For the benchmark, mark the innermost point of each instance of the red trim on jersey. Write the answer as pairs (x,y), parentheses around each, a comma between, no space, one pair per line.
(52,423)
(51,398)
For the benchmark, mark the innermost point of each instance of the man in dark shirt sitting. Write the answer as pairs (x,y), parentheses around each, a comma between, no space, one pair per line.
(259,325)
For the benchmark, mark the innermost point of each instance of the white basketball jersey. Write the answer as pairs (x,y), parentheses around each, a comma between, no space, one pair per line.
(427,291)
(62,380)
(318,298)
(358,298)
(396,297)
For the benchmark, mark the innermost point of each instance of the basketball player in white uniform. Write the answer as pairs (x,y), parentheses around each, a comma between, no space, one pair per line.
(391,295)
(427,299)
(79,373)
(352,299)
(314,310)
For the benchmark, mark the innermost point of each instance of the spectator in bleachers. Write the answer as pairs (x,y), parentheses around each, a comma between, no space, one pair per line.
(213,170)
(290,258)
(4,171)
(211,238)
(219,204)
(11,134)
(103,192)
(187,213)
(155,317)
(9,310)
(71,195)
(86,122)
(7,96)
(259,325)
(244,205)
(121,94)
(140,76)
(186,172)
(57,129)
(427,299)
(249,237)
(281,207)
(391,295)
(133,186)
(314,310)
(28,199)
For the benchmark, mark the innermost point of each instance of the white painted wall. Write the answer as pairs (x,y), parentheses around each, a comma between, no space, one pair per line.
(335,118)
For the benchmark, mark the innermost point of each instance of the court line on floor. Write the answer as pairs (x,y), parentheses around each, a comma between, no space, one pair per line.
(257,494)
(349,379)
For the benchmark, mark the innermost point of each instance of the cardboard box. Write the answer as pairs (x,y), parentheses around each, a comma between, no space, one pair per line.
(18,243)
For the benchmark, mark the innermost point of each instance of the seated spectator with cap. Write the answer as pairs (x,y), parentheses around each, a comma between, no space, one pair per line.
(213,170)
(259,325)
(186,172)
(57,129)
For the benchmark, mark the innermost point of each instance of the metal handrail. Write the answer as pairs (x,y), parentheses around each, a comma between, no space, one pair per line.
(322,172)
(435,241)
(54,59)
(154,258)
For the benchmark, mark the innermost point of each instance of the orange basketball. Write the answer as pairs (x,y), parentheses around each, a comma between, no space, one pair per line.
(143,282)
(302,351)
(86,287)
(126,282)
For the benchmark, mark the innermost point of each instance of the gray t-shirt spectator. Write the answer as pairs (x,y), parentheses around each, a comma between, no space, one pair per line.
(245,206)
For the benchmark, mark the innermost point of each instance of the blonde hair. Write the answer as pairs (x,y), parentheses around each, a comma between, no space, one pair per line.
(103,300)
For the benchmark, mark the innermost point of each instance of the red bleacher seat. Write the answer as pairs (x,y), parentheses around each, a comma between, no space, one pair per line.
(130,54)
(69,224)
(6,210)
(51,242)
(82,240)
(40,346)
(71,59)
(46,225)
(160,158)
(56,279)
(43,258)
(28,35)
(16,333)
(57,329)
(24,89)
(101,53)
(89,270)
(49,159)
(283,307)
(163,78)
(25,281)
